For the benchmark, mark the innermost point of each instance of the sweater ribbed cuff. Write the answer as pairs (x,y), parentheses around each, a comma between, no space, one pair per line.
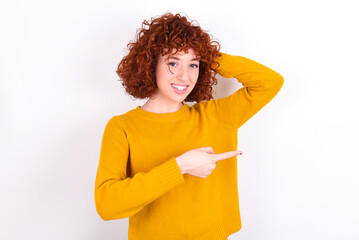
(169,175)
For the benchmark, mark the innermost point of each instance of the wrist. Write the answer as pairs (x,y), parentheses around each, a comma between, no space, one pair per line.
(180,165)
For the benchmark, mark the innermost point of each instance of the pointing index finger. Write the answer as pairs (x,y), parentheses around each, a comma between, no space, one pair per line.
(226,155)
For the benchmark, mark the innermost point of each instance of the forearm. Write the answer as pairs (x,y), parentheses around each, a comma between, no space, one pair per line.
(248,72)
(117,198)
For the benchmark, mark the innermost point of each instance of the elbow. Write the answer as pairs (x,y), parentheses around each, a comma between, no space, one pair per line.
(280,80)
(106,212)
(103,207)
(107,209)
(104,217)
(276,82)
(103,212)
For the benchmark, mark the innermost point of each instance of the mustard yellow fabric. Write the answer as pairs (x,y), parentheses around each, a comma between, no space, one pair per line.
(138,176)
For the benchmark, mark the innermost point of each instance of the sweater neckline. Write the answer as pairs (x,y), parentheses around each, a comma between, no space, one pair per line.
(162,116)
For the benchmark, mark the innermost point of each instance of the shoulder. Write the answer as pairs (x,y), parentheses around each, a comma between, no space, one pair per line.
(205,107)
(214,111)
(120,121)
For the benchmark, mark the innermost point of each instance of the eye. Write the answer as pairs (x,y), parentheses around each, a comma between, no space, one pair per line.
(194,66)
(172,64)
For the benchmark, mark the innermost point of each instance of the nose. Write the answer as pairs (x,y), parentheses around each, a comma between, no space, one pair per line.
(183,74)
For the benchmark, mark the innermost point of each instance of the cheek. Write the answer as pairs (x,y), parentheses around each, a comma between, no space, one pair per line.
(162,76)
(195,76)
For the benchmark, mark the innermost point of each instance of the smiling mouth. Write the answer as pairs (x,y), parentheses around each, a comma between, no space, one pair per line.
(180,89)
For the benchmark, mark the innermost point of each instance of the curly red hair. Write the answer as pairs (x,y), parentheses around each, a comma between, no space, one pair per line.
(164,35)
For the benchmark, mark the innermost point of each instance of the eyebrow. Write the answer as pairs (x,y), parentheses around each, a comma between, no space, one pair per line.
(193,59)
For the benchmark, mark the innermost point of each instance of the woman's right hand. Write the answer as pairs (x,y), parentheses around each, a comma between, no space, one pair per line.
(200,162)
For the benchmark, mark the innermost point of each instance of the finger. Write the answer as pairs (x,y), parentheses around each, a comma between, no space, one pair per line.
(226,155)
(208,149)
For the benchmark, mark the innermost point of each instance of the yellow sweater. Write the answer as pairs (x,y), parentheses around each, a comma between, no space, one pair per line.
(138,176)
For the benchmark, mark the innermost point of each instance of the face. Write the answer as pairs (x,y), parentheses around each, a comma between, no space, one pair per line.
(176,76)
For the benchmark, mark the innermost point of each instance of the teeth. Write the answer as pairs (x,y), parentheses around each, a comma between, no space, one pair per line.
(178,87)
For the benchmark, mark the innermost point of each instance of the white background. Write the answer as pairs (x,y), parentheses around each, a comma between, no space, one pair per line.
(298,175)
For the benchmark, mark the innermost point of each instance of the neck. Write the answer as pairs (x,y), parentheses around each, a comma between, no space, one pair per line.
(159,107)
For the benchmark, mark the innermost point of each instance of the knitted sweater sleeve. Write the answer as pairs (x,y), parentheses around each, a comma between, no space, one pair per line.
(119,196)
(260,85)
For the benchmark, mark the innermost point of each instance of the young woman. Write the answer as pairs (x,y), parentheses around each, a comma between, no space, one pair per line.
(169,167)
